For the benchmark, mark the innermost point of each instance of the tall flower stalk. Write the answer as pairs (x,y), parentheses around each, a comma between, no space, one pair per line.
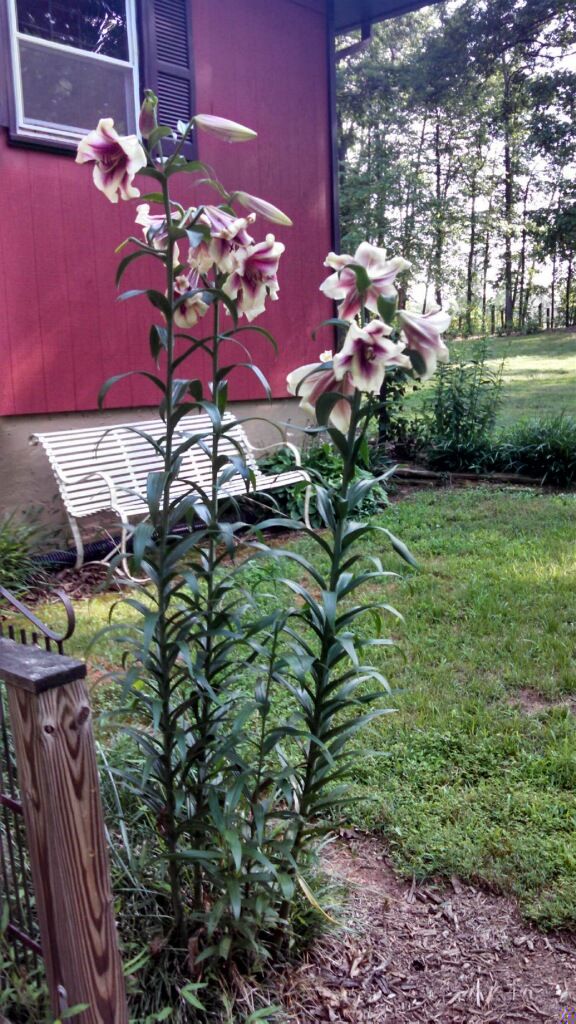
(193,630)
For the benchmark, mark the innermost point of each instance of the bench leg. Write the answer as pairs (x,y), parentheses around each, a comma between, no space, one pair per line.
(78,541)
(307,499)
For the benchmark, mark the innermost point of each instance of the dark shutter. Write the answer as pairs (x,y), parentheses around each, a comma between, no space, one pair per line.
(166,57)
(5,67)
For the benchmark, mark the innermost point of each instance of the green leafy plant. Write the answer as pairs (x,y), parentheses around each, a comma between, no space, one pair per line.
(461,412)
(323,463)
(542,448)
(18,540)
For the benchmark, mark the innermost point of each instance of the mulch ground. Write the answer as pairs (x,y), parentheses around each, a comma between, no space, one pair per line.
(436,952)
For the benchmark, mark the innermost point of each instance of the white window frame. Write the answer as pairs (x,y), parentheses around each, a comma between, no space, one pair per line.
(47,131)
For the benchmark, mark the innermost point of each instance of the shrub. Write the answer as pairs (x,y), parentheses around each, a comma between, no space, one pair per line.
(543,448)
(322,462)
(460,415)
(17,541)
(465,400)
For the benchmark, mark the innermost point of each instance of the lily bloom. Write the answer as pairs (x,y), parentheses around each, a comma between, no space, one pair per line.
(155,223)
(343,285)
(148,119)
(192,307)
(264,208)
(366,353)
(311,381)
(116,158)
(227,232)
(254,276)
(229,131)
(421,333)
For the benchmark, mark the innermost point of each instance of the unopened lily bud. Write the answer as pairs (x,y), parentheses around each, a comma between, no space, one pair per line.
(148,118)
(263,207)
(229,131)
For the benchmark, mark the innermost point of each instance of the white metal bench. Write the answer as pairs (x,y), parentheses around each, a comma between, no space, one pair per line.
(107,467)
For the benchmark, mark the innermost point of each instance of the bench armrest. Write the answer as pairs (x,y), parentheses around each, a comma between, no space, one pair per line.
(68,481)
(280,444)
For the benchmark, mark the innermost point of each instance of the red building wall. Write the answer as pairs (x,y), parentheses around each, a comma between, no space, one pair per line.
(61,331)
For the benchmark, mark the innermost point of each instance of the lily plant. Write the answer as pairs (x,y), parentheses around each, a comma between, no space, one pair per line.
(236,792)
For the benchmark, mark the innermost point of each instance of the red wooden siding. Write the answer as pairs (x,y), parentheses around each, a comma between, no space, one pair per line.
(61,331)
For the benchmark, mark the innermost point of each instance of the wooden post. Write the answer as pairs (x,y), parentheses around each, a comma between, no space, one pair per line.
(52,733)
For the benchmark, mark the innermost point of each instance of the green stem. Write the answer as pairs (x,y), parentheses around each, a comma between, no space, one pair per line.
(170,830)
(321,672)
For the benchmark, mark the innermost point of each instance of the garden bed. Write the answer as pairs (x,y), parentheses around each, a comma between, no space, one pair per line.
(437,951)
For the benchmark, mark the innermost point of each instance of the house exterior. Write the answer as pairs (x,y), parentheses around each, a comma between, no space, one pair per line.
(264,63)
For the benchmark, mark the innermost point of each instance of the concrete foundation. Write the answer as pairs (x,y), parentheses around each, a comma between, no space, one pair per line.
(28,486)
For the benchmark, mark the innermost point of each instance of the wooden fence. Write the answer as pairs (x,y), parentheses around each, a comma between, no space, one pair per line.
(54,870)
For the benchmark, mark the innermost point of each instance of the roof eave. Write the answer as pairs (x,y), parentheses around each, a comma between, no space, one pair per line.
(352,14)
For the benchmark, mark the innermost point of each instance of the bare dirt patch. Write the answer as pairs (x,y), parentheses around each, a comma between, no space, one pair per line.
(532,703)
(417,954)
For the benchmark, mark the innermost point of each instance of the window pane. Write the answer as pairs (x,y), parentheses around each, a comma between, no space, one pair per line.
(74,91)
(95,25)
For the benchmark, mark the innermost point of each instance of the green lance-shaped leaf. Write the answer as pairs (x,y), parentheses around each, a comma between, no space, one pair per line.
(158,299)
(158,340)
(400,547)
(325,404)
(332,321)
(417,361)
(141,538)
(154,491)
(387,308)
(363,281)
(161,132)
(131,258)
(123,376)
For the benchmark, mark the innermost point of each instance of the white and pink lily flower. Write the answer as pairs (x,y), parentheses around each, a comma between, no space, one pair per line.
(193,307)
(365,355)
(227,232)
(343,284)
(421,333)
(116,158)
(263,207)
(154,223)
(229,131)
(312,380)
(254,276)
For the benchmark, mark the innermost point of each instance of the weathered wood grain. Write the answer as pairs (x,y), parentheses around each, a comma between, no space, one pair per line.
(60,794)
(33,669)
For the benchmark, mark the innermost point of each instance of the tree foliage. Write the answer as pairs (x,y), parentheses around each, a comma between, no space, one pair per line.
(457,140)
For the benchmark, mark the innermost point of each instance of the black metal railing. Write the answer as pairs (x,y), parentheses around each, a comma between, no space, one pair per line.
(17,896)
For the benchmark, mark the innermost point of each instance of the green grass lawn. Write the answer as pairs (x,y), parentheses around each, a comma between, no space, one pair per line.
(539,374)
(469,783)
(462,779)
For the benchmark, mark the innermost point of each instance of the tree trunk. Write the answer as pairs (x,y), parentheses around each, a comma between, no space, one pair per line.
(522,280)
(485,269)
(438,225)
(471,254)
(521,277)
(568,291)
(508,200)
(553,291)
(410,211)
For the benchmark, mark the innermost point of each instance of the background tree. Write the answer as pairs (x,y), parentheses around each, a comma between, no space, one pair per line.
(457,131)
